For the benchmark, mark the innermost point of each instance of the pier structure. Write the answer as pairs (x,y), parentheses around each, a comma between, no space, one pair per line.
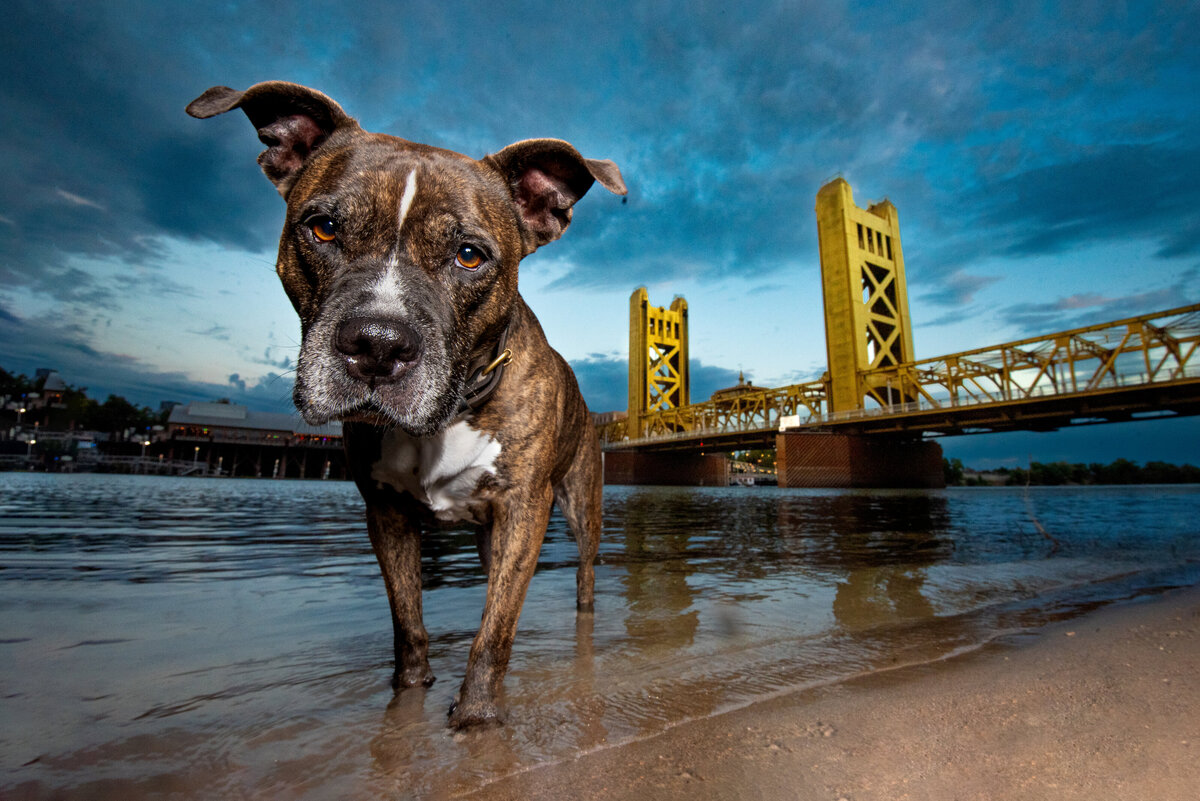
(231,440)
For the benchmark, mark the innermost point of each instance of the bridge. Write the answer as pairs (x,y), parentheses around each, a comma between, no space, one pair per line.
(874,416)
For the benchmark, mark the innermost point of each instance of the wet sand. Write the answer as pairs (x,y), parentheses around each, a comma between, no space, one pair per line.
(1104,706)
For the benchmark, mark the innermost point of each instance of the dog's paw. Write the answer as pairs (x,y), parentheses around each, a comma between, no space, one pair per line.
(412,677)
(470,714)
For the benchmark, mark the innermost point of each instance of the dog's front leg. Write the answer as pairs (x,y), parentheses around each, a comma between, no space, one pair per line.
(518,528)
(397,544)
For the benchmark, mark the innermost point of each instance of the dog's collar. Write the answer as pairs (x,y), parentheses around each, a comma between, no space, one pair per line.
(484,375)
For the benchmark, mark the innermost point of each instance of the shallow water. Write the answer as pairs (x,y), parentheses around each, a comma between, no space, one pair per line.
(217,638)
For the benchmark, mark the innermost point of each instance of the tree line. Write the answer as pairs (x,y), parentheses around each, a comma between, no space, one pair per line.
(77,410)
(1121,471)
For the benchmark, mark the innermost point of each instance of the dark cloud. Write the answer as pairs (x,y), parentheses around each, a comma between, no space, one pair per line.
(281,363)
(1108,193)
(725,132)
(951,317)
(708,378)
(103,162)
(218,332)
(957,289)
(64,347)
(1093,308)
(604,382)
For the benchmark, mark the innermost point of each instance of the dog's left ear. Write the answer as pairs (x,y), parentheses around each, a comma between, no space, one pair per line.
(292,121)
(546,178)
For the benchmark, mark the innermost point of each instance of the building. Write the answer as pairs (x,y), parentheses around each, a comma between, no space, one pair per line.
(234,440)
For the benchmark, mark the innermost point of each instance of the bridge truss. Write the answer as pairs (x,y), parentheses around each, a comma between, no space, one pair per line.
(1101,373)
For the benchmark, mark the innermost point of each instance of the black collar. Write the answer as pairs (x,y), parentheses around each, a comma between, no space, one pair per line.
(484,375)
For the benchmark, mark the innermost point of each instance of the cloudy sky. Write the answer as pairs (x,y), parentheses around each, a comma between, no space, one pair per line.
(1043,157)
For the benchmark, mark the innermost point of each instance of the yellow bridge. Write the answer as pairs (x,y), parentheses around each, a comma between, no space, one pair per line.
(870,419)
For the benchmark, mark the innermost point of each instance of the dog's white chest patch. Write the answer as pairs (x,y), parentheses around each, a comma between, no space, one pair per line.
(441,471)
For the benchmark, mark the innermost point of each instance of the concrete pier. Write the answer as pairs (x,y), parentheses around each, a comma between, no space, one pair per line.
(670,469)
(820,459)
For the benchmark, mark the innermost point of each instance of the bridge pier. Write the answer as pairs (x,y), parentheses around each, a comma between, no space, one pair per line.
(669,469)
(823,459)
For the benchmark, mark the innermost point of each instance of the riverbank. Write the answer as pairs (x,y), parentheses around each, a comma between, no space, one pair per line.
(1102,706)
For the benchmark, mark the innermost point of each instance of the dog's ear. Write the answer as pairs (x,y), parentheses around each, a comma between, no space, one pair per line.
(546,178)
(292,121)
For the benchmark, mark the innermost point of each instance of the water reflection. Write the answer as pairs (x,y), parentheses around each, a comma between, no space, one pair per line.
(231,637)
(858,529)
(882,543)
(658,599)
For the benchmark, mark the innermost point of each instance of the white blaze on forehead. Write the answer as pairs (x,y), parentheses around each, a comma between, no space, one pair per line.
(387,292)
(406,200)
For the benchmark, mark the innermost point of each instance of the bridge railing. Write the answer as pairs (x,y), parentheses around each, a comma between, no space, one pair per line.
(615,435)
(1158,347)
(1136,351)
(752,410)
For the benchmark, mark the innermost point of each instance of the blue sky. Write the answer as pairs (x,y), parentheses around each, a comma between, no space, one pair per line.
(1043,158)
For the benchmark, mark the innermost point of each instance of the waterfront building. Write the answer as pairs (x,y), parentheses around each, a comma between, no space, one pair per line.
(231,439)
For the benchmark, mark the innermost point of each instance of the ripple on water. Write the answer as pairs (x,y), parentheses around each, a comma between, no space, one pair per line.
(166,635)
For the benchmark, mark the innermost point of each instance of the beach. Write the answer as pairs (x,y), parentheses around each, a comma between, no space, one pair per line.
(207,638)
(1102,706)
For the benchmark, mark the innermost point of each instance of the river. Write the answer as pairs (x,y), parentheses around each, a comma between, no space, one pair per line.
(221,638)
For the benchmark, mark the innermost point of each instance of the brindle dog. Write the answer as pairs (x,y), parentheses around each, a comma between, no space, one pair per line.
(401,260)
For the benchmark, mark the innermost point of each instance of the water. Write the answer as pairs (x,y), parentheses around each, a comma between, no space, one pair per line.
(217,638)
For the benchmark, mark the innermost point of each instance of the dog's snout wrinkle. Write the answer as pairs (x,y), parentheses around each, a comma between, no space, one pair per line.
(377,349)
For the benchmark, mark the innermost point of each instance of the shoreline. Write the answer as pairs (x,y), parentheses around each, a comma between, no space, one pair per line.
(1104,705)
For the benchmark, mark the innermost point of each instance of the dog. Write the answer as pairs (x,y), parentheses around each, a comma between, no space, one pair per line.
(401,260)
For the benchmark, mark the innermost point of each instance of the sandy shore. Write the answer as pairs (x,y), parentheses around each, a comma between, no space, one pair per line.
(1105,706)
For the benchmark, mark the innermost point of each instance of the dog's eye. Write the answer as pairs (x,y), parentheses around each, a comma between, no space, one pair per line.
(323,228)
(469,257)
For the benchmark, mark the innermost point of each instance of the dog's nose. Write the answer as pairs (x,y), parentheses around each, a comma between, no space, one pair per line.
(377,349)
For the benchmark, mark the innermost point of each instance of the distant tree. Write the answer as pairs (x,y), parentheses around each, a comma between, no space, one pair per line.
(14,385)
(1053,474)
(953,470)
(1160,473)
(116,415)
(1122,471)
(1164,473)
(1017,477)
(79,408)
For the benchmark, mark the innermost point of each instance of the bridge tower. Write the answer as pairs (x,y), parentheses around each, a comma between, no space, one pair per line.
(866,297)
(866,326)
(658,380)
(658,357)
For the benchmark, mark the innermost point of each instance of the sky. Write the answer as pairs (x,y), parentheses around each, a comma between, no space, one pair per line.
(1043,158)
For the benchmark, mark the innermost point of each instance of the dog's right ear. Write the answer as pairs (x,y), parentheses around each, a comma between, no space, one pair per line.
(292,121)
